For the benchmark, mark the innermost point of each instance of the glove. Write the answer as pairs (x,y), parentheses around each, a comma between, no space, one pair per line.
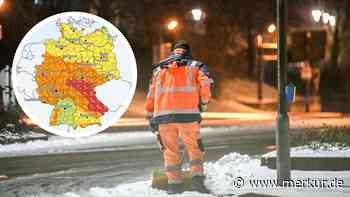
(203,107)
(200,145)
(153,126)
(160,142)
(154,129)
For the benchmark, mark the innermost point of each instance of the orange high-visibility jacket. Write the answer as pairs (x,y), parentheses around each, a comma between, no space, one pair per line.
(176,92)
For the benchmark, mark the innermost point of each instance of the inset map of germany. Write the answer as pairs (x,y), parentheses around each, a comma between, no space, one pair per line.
(74,74)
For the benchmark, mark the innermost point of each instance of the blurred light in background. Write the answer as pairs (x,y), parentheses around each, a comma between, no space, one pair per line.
(172,25)
(1,32)
(316,14)
(332,20)
(197,14)
(259,40)
(271,28)
(325,18)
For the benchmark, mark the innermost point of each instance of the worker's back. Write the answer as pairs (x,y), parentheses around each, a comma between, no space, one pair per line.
(177,89)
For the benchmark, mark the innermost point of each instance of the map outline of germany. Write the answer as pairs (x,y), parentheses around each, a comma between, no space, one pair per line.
(86,59)
(71,79)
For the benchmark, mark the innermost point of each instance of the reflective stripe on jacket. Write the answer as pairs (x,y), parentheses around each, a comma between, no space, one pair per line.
(176,91)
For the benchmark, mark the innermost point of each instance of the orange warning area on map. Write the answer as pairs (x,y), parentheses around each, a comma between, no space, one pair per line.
(52,77)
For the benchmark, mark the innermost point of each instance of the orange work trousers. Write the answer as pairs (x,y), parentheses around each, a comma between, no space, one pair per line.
(189,133)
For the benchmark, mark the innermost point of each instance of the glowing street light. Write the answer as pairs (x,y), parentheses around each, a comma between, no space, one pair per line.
(197,14)
(259,40)
(172,25)
(1,27)
(316,14)
(332,20)
(325,18)
(271,28)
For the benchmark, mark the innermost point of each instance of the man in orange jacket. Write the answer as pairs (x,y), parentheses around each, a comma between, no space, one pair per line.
(179,90)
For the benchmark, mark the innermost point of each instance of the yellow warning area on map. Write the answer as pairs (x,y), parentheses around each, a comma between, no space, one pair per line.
(90,49)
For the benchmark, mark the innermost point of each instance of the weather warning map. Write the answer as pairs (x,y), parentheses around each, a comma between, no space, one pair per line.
(74,74)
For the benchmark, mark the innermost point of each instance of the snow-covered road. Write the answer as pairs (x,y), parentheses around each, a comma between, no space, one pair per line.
(222,176)
(74,166)
(119,165)
(122,141)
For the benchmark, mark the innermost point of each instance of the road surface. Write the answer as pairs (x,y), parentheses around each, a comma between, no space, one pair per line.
(74,172)
(79,171)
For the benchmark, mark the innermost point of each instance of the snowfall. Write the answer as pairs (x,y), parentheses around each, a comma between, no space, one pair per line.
(223,176)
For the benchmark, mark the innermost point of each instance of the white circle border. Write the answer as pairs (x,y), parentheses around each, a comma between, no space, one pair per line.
(18,55)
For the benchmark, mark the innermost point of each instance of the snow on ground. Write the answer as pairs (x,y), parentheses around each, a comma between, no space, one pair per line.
(11,135)
(231,170)
(139,189)
(223,177)
(58,144)
(105,141)
(317,150)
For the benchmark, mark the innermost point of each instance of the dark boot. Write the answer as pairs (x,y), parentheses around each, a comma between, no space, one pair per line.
(198,184)
(175,188)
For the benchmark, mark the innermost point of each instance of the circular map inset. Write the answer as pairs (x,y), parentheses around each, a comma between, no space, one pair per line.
(74,74)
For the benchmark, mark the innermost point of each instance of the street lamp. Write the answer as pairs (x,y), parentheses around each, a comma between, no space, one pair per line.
(332,20)
(325,18)
(259,40)
(316,14)
(197,14)
(172,25)
(271,28)
(1,27)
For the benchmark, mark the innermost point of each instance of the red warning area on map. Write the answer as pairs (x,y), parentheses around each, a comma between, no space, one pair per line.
(87,90)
